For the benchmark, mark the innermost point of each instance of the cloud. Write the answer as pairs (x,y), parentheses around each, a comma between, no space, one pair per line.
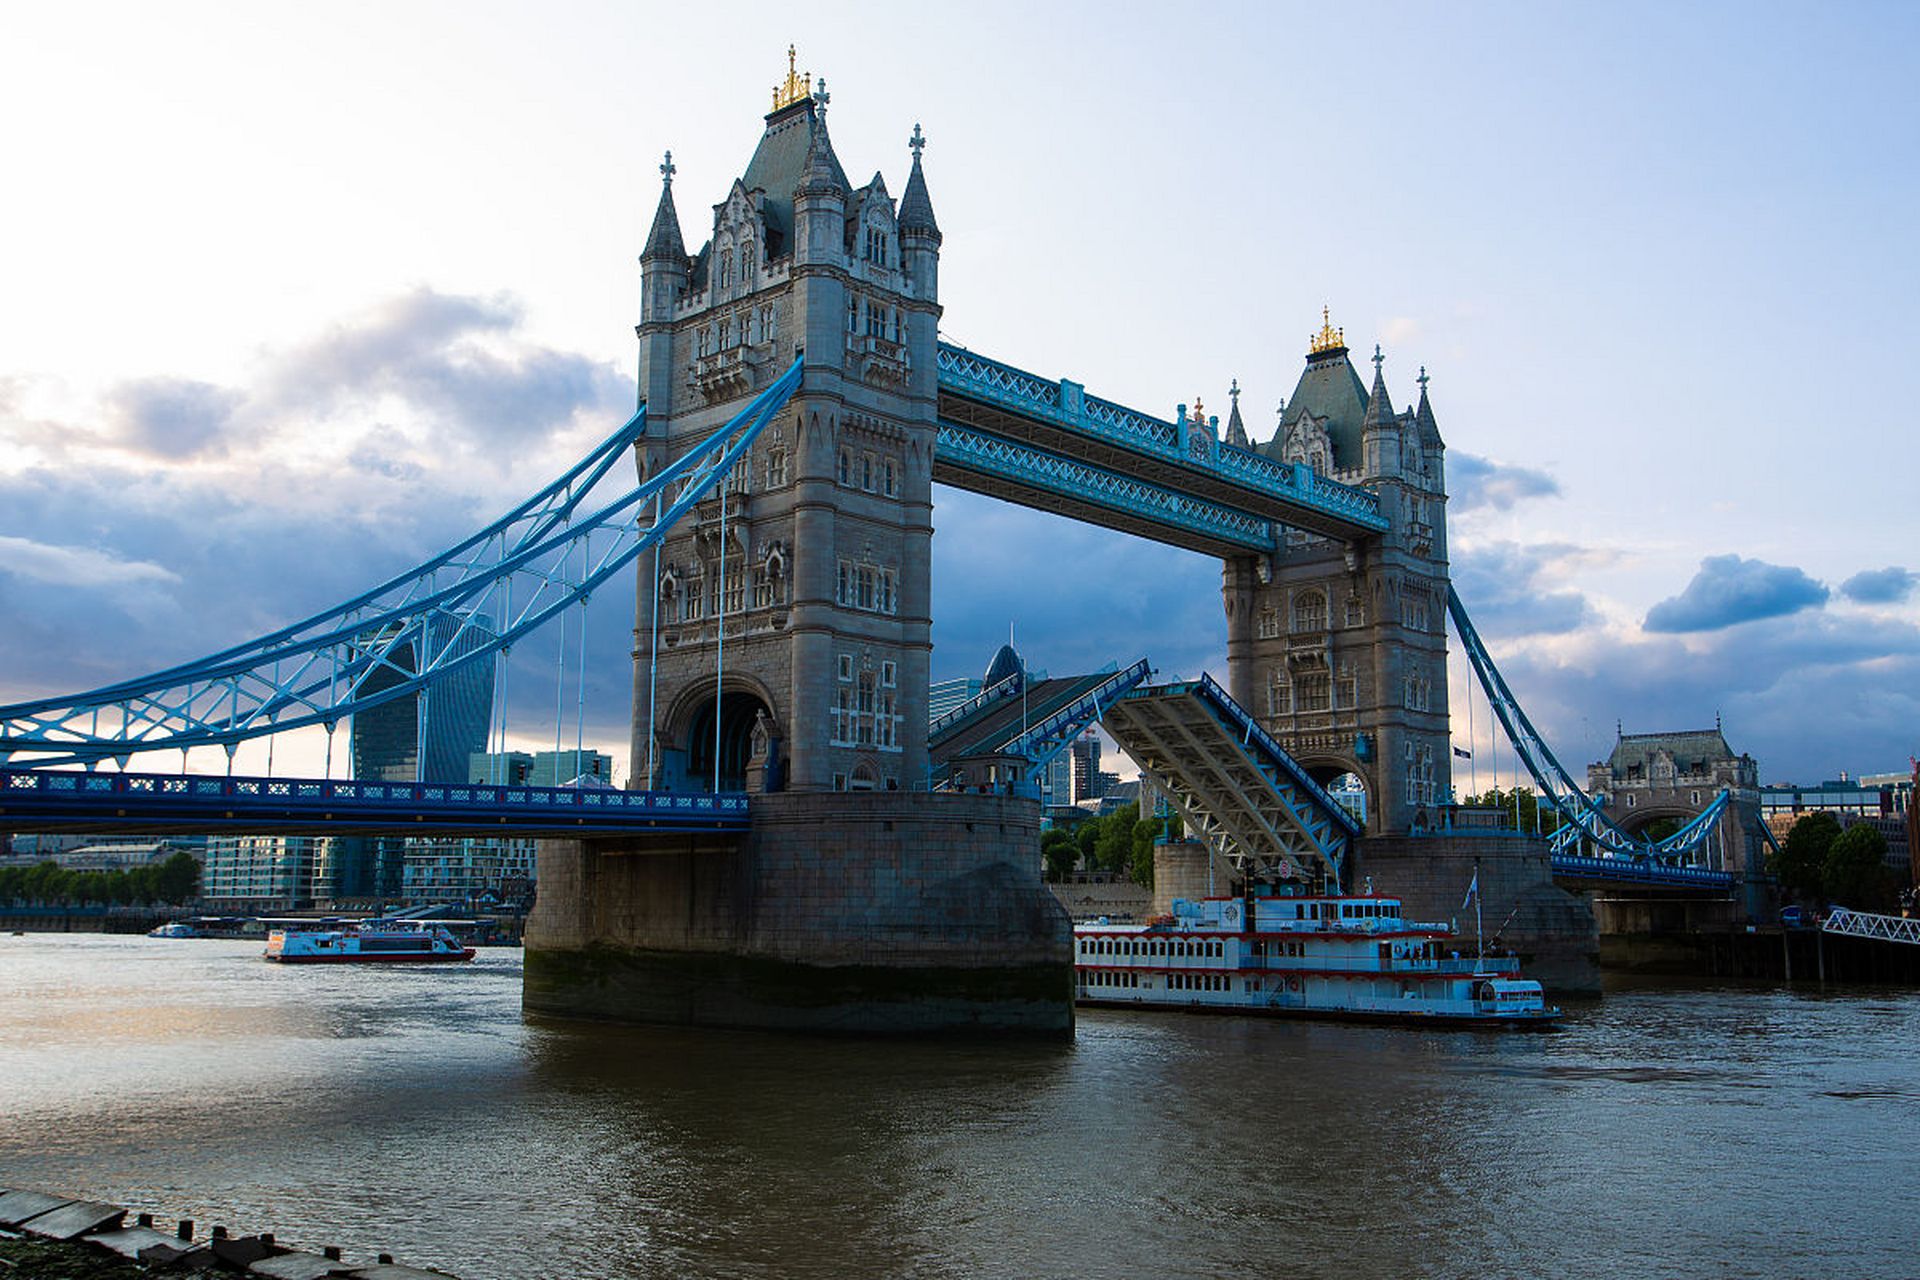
(1399,329)
(1879,586)
(1514,590)
(1730,590)
(1481,482)
(454,359)
(75,566)
(173,417)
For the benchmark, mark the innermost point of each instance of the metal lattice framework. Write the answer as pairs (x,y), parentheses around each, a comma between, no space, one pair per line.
(461,607)
(1694,844)
(1275,491)
(1230,782)
(1864,924)
(1047,477)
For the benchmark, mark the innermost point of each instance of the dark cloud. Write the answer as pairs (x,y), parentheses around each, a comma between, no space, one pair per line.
(1514,590)
(1476,482)
(173,417)
(1879,586)
(453,358)
(1730,590)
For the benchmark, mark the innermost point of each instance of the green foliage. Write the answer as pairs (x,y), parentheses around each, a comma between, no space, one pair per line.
(1120,843)
(1060,852)
(1854,873)
(1530,807)
(1800,865)
(173,881)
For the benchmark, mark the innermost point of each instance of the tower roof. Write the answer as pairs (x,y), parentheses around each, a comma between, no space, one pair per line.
(1329,390)
(1379,407)
(664,241)
(782,160)
(916,210)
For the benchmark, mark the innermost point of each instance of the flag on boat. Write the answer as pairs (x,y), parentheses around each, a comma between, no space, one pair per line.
(1473,890)
(1463,753)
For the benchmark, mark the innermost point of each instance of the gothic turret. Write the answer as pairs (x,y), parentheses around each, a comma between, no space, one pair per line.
(663,283)
(1236,429)
(1380,429)
(820,197)
(919,233)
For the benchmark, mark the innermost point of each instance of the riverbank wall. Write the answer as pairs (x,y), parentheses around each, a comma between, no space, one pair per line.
(1784,955)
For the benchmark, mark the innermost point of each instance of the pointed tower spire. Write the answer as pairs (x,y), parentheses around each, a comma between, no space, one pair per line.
(822,171)
(916,210)
(1236,429)
(664,242)
(1423,416)
(1379,407)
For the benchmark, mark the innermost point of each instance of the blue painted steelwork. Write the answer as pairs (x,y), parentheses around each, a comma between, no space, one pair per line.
(1007,688)
(1638,871)
(1049,473)
(1586,822)
(1066,405)
(1233,783)
(1041,743)
(53,800)
(519,573)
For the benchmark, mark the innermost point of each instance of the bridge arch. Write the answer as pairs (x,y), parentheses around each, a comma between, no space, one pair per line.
(750,740)
(1337,772)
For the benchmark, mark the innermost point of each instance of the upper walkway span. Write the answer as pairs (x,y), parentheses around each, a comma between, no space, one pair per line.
(1016,436)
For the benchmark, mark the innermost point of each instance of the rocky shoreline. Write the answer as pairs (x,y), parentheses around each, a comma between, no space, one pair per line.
(52,1237)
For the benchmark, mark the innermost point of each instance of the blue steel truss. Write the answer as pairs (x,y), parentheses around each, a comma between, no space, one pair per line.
(1586,823)
(1041,743)
(460,607)
(68,800)
(1066,405)
(1233,784)
(1051,474)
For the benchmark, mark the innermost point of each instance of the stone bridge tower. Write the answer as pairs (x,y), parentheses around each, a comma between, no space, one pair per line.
(1341,648)
(820,581)
(1649,777)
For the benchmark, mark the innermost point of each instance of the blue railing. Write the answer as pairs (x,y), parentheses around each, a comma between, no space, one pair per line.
(1636,871)
(30,798)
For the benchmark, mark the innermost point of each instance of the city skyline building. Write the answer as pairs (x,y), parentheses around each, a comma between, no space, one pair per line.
(455,716)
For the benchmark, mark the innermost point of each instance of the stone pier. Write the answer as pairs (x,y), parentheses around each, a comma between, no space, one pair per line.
(879,912)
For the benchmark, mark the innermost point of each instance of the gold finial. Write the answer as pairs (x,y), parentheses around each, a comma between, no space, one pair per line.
(1329,338)
(797,87)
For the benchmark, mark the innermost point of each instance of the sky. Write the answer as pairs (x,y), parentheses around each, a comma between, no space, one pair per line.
(292,296)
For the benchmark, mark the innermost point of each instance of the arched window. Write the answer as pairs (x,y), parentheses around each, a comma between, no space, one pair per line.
(726,268)
(846,467)
(747,262)
(1310,611)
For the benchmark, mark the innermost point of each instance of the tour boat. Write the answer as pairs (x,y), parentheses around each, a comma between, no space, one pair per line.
(1353,957)
(369,942)
(178,929)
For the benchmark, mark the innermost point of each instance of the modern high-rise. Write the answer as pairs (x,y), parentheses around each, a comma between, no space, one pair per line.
(458,708)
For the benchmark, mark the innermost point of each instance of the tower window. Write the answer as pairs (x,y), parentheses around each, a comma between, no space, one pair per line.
(853,313)
(1310,611)
(890,478)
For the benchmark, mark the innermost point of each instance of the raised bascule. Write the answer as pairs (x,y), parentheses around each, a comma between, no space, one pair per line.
(798,848)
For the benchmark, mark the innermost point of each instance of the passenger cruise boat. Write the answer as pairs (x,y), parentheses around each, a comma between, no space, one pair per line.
(369,942)
(1351,957)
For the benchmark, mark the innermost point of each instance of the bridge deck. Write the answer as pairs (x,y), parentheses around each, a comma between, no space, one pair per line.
(996,726)
(68,801)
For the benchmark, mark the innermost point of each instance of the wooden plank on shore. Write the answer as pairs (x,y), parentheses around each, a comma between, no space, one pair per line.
(129,1241)
(76,1219)
(17,1206)
(299,1266)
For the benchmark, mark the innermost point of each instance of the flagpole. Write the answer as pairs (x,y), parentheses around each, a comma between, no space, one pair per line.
(1479,947)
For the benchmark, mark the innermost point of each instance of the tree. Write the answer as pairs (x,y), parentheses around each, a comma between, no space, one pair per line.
(1854,873)
(1531,815)
(1060,853)
(178,878)
(1800,864)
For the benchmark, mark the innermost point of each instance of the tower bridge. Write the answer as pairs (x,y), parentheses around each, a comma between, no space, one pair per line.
(796,408)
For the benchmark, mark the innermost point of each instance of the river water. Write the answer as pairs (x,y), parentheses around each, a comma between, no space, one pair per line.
(1662,1132)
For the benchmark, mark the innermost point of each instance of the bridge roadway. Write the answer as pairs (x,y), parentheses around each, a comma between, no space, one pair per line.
(54,801)
(1049,445)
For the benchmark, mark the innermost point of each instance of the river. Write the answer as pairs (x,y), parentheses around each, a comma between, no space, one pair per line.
(1662,1131)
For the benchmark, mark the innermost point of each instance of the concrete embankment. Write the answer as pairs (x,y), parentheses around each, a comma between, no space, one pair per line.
(1791,955)
(44,1236)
